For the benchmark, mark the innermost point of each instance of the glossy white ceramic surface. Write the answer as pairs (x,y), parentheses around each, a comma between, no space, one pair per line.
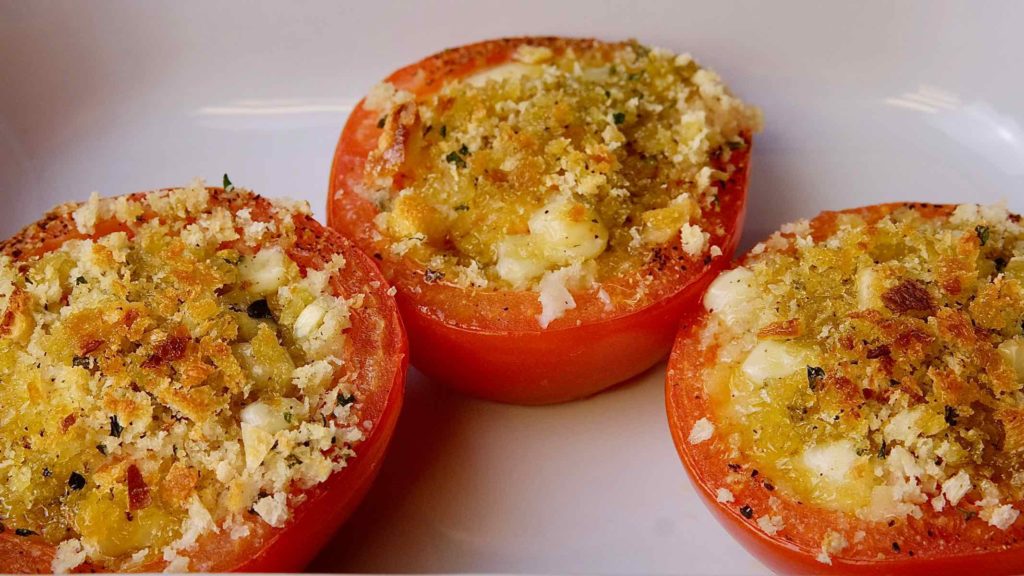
(864,102)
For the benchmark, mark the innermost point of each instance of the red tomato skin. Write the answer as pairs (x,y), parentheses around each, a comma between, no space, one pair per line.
(517,363)
(686,403)
(326,506)
(550,366)
(330,504)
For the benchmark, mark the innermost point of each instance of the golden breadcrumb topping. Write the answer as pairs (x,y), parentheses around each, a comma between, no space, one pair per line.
(876,367)
(169,375)
(566,165)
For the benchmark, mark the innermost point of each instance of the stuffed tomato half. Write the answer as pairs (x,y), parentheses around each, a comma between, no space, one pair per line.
(192,379)
(545,207)
(849,398)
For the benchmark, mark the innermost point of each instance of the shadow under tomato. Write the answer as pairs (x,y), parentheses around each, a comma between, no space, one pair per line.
(442,471)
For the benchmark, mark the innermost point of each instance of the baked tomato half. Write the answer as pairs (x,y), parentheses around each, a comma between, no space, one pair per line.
(848,399)
(192,379)
(545,207)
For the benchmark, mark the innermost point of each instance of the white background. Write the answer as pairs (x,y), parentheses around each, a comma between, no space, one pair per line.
(864,102)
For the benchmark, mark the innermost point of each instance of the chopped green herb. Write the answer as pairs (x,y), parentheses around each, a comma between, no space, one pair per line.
(431,276)
(227,183)
(619,117)
(983,233)
(815,374)
(81,280)
(444,131)
(951,416)
(24,532)
(101,449)
(456,159)
(259,310)
(76,481)
(883,451)
(288,417)
(463,150)
(115,427)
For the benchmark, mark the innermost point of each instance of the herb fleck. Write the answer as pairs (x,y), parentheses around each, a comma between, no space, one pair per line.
(76,481)
(951,416)
(983,233)
(81,280)
(228,186)
(115,427)
(383,120)
(619,118)
(24,532)
(747,511)
(461,208)
(815,374)
(259,310)
(455,158)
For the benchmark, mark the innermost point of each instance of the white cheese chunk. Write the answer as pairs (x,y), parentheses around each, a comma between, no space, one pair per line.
(1003,517)
(555,298)
(309,319)
(69,555)
(731,296)
(257,443)
(568,231)
(266,271)
(770,524)
(702,431)
(1012,352)
(833,461)
(518,261)
(955,488)
(870,286)
(273,509)
(771,359)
